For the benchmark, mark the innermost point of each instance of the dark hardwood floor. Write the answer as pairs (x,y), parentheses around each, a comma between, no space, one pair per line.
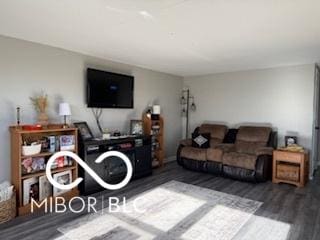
(298,207)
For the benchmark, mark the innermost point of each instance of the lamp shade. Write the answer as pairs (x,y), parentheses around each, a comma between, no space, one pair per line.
(64,109)
(156,109)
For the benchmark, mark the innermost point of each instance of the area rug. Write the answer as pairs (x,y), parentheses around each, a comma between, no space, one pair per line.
(174,210)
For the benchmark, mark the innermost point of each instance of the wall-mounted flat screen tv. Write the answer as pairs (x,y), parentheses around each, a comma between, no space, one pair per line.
(109,90)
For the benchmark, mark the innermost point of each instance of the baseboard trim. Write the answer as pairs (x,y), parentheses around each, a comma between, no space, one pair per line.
(170,159)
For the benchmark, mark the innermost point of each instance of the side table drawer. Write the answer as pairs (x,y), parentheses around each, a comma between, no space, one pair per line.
(288,156)
(288,172)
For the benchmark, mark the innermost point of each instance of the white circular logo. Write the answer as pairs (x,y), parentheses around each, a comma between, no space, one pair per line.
(92,173)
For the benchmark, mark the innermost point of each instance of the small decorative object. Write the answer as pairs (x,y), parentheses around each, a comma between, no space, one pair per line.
(64,110)
(106,134)
(31,150)
(31,127)
(193,106)
(136,127)
(116,133)
(63,178)
(41,103)
(84,130)
(149,111)
(290,140)
(18,116)
(183,112)
(201,140)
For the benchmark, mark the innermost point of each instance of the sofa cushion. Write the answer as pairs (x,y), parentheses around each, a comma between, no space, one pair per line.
(214,154)
(226,147)
(241,160)
(201,140)
(264,151)
(216,131)
(214,142)
(253,134)
(250,139)
(194,153)
(248,147)
(231,136)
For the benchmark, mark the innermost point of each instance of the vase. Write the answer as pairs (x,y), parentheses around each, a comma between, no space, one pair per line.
(43,119)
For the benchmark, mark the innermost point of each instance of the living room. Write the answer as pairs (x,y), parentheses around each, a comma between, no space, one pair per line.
(222,114)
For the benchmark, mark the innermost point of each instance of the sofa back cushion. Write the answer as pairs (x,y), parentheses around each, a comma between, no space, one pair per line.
(249,139)
(216,131)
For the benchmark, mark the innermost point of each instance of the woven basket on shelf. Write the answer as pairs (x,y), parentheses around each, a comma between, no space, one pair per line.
(8,209)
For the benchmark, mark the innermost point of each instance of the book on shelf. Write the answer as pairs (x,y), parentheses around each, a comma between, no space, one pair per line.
(52,144)
(36,164)
(45,188)
(30,190)
(40,188)
(33,164)
(63,178)
(67,143)
(60,162)
(61,143)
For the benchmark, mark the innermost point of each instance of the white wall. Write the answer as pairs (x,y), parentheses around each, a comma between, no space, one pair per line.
(282,97)
(27,68)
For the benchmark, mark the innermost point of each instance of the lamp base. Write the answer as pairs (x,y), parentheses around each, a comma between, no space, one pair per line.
(65,125)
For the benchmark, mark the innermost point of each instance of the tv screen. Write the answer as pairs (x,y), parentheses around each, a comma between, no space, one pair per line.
(109,90)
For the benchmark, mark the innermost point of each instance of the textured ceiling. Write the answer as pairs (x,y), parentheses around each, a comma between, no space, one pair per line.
(184,38)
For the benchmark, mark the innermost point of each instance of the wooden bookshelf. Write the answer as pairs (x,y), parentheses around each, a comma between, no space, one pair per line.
(18,136)
(155,129)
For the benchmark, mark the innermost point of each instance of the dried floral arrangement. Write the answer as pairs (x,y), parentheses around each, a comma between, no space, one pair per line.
(40,104)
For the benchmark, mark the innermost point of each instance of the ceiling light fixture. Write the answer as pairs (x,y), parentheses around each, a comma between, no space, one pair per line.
(146,15)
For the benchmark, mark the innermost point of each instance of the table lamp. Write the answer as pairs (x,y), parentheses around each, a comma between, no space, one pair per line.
(64,110)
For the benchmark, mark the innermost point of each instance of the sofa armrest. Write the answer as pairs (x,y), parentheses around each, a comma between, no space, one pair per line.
(264,151)
(186,142)
(263,168)
(226,147)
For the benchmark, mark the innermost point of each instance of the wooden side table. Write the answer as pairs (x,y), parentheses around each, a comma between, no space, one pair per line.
(290,167)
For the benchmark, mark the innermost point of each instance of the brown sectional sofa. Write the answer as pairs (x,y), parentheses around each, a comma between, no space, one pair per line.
(243,154)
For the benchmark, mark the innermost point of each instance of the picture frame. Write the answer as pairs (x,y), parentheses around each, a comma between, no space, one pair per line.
(84,130)
(63,178)
(136,127)
(290,140)
(45,188)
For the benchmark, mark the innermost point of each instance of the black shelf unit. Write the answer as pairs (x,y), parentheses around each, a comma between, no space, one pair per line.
(113,169)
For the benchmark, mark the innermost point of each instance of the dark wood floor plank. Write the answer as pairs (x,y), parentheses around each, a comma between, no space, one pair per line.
(298,207)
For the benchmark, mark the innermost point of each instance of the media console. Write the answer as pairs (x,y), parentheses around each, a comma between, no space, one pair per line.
(113,169)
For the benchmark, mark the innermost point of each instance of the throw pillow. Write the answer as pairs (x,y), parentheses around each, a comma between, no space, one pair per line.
(201,140)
